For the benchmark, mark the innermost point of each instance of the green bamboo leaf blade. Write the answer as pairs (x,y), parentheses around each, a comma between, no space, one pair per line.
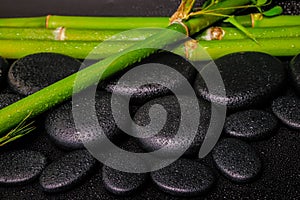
(63,34)
(277,10)
(235,23)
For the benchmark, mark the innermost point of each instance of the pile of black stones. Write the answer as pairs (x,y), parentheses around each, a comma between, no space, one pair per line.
(256,156)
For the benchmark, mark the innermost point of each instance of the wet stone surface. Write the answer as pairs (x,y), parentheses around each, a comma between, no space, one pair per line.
(250,78)
(67,172)
(20,167)
(251,125)
(237,160)
(34,72)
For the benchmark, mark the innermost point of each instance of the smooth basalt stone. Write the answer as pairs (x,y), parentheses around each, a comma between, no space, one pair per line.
(250,78)
(237,160)
(3,71)
(294,72)
(34,72)
(184,178)
(60,125)
(123,183)
(251,125)
(142,93)
(67,172)
(165,136)
(287,109)
(7,99)
(20,167)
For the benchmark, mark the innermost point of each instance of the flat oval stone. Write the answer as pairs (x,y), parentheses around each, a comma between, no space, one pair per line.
(250,78)
(3,70)
(20,167)
(143,93)
(123,183)
(7,99)
(237,160)
(34,72)
(67,172)
(165,136)
(60,125)
(251,125)
(287,109)
(184,178)
(294,72)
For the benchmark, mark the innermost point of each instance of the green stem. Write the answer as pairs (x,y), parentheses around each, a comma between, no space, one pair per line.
(135,35)
(14,49)
(60,91)
(72,34)
(75,22)
(262,21)
(227,33)
(216,49)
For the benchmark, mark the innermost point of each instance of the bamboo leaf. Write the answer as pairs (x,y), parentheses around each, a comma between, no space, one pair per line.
(277,10)
(261,2)
(235,23)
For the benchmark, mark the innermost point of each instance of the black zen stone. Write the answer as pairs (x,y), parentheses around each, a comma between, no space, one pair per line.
(60,125)
(184,178)
(34,72)
(287,109)
(123,183)
(142,93)
(20,167)
(3,71)
(251,125)
(237,160)
(67,172)
(165,136)
(250,78)
(294,72)
(7,99)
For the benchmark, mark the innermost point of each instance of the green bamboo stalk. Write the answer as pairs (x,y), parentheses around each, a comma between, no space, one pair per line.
(126,23)
(218,48)
(227,33)
(75,22)
(60,91)
(14,49)
(73,34)
(135,34)
(258,20)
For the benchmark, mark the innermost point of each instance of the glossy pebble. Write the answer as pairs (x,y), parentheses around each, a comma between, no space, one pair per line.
(251,125)
(34,72)
(61,128)
(141,93)
(123,183)
(3,70)
(249,78)
(294,72)
(287,109)
(184,178)
(20,167)
(164,137)
(237,160)
(67,172)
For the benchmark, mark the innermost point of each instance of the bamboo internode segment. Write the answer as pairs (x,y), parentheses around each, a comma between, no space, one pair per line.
(78,22)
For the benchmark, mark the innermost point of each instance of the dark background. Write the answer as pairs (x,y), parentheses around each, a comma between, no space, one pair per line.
(27,8)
